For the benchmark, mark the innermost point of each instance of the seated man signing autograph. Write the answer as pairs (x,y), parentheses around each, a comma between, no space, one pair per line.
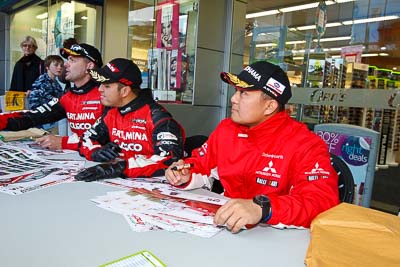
(272,167)
(80,105)
(136,129)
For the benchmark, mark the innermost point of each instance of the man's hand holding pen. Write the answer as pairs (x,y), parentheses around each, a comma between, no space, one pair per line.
(178,173)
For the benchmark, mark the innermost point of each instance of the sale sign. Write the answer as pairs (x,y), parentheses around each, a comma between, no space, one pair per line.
(355,152)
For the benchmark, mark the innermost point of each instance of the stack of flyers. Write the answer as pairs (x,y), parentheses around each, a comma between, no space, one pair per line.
(146,211)
(23,171)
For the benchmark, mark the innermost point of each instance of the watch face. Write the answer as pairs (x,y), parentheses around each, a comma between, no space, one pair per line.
(261,199)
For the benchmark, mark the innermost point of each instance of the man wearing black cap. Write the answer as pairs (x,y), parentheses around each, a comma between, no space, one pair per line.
(138,132)
(272,167)
(80,105)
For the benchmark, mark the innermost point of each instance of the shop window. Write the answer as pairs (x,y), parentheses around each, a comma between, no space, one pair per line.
(162,44)
(51,22)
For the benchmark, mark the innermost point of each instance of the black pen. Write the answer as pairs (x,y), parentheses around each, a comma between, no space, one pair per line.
(181,167)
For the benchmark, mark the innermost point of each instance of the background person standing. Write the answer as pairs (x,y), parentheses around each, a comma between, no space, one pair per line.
(46,87)
(28,68)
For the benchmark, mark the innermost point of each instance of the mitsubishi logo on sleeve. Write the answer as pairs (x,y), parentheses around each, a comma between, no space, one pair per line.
(269,168)
(317,169)
(317,173)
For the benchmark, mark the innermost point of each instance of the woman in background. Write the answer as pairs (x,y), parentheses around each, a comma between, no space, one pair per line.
(28,68)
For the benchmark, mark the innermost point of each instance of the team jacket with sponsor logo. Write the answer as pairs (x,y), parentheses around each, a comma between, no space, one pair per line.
(149,137)
(279,158)
(81,106)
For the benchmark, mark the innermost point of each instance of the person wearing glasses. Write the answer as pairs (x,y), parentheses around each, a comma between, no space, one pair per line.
(28,68)
(81,105)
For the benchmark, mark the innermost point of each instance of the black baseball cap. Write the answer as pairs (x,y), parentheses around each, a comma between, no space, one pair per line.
(263,76)
(119,70)
(83,50)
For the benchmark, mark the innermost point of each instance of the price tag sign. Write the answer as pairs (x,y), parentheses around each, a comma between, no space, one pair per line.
(321,18)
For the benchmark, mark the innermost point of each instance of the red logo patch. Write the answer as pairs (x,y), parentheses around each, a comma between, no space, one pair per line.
(112,67)
(125,81)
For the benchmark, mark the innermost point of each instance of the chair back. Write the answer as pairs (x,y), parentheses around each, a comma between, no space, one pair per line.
(345,181)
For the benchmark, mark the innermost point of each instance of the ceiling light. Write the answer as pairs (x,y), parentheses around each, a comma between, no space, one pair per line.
(376,19)
(383,54)
(42,16)
(262,14)
(296,42)
(294,8)
(84,17)
(301,51)
(305,28)
(312,27)
(383,48)
(369,55)
(266,45)
(335,49)
(299,7)
(333,39)
(333,24)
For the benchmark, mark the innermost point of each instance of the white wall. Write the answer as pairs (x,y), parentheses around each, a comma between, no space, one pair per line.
(115,21)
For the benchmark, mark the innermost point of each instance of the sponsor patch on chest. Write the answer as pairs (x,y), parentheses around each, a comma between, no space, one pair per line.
(269,171)
(267,182)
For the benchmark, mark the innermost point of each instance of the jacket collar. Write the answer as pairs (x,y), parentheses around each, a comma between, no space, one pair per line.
(84,88)
(144,98)
(266,128)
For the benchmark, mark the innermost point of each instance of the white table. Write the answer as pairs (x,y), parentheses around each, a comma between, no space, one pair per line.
(60,226)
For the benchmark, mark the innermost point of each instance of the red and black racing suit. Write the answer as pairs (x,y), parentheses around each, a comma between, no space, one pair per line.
(80,105)
(150,139)
(279,158)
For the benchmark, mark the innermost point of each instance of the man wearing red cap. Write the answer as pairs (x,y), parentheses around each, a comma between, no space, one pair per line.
(137,137)
(272,167)
(80,105)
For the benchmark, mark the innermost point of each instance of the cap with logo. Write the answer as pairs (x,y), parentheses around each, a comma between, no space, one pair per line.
(263,76)
(83,50)
(119,70)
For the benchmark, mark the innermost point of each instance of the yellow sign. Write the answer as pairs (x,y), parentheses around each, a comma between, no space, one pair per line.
(15,100)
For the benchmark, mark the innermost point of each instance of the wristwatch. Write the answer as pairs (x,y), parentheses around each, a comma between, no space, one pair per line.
(265,204)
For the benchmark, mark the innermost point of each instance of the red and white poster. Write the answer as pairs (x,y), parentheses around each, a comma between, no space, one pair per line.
(352,53)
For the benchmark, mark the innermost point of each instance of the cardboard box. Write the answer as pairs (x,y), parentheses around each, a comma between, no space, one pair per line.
(350,235)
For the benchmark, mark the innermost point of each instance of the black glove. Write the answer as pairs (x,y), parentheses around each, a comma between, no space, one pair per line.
(106,153)
(102,171)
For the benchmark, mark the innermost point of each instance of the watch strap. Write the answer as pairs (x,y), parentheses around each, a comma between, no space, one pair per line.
(265,207)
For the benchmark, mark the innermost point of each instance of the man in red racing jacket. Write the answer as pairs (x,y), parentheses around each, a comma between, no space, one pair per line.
(138,132)
(272,167)
(80,105)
